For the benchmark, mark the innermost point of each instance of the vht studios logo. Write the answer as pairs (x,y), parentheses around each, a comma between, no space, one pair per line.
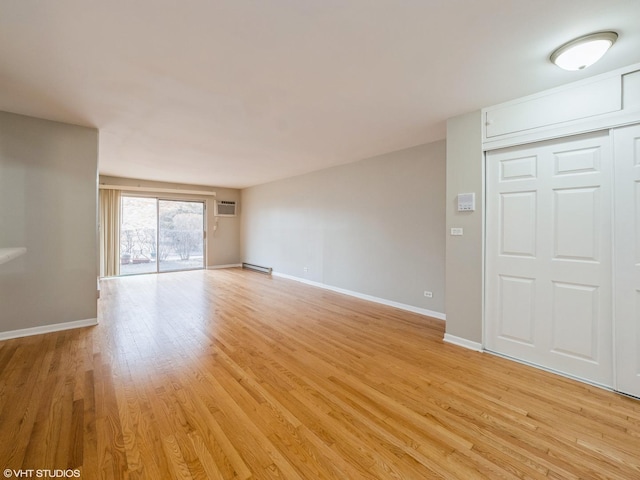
(41,473)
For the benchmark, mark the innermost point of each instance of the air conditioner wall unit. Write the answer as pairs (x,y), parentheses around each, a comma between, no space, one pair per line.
(226,208)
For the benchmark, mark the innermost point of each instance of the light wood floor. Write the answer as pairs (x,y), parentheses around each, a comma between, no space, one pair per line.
(229,374)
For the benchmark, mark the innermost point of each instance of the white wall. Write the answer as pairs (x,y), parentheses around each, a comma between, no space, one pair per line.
(464,253)
(223,242)
(48,203)
(374,227)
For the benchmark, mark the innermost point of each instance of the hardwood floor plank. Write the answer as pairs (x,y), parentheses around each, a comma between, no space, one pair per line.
(76,441)
(89,466)
(229,374)
(110,443)
(176,460)
(210,466)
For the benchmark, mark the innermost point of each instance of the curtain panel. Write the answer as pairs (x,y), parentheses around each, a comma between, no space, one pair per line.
(109,226)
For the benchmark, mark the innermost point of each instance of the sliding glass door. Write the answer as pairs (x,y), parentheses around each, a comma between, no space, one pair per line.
(158,235)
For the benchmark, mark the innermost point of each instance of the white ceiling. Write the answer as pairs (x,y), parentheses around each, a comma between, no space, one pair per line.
(241,92)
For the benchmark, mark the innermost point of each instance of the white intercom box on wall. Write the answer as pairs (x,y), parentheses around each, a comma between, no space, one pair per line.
(466,202)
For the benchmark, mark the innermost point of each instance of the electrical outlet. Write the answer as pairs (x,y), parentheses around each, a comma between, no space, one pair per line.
(428,294)
(306,269)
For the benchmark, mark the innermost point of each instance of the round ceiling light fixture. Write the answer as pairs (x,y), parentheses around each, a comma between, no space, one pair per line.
(584,51)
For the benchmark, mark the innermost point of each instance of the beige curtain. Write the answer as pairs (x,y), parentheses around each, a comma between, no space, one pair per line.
(109,232)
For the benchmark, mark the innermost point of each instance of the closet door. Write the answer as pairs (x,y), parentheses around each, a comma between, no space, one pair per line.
(627,298)
(548,255)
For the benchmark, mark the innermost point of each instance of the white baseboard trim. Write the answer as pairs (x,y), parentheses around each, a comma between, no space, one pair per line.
(463,342)
(230,265)
(57,327)
(362,296)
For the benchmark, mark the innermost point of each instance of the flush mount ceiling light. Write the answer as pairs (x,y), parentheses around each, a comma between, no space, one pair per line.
(584,51)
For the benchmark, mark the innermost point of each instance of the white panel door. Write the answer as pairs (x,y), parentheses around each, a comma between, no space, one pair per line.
(627,297)
(548,255)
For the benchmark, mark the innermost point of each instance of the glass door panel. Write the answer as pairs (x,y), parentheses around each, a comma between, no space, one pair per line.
(138,235)
(181,243)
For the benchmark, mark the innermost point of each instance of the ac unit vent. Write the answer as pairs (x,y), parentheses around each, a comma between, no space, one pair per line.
(225,208)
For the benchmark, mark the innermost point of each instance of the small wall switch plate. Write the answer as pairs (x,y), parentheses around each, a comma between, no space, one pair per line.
(456,231)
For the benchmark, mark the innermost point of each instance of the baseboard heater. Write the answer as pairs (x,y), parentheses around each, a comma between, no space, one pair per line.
(257,268)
